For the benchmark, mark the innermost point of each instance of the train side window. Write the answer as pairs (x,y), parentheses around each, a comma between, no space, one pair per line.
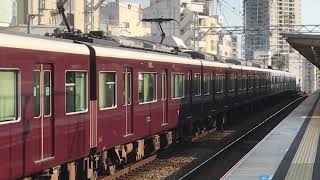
(177,84)
(36,93)
(250,82)
(129,86)
(47,93)
(212,83)
(256,81)
(219,83)
(244,82)
(107,90)
(231,82)
(9,98)
(197,84)
(239,82)
(147,87)
(164,93)
(76,91)
(206,84)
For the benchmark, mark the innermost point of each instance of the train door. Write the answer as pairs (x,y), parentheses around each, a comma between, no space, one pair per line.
(127,87)
(164,96)
(43,116)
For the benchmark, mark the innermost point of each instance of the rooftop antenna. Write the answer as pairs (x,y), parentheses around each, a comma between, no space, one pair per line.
(61,10)
(159,21)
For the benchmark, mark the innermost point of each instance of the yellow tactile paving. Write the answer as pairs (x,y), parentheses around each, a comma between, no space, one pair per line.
(303,161)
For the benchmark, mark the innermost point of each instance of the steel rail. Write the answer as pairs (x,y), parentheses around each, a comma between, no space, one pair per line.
(237,140)
(128,168)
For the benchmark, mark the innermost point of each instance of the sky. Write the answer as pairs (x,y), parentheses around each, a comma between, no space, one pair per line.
(310,11)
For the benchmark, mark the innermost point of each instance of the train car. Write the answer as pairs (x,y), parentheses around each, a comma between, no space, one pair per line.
(77,107)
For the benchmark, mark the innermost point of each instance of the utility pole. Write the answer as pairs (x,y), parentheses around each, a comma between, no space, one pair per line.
(195,31)
(88,16)
(30,17)
(89,8)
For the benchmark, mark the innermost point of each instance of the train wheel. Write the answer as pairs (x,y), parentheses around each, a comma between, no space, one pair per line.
(111,169)
(94,175)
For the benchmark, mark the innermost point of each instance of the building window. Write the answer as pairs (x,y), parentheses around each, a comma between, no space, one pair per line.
(107,90)
(76,91)
(42,6)
(147,87)
(177,85)
(231,82)
(206,84)
(127,84)
(9,95)
(197,84)
(219,83)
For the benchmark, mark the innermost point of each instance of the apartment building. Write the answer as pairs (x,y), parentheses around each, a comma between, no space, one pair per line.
(122,18)
(45,16)
(190,18)
(235,47)
(260,16)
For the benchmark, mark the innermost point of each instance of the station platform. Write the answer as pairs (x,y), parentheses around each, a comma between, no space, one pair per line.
(290,151)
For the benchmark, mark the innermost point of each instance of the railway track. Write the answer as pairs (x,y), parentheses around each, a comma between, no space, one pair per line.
(129,168)
(173,159)
(195,172)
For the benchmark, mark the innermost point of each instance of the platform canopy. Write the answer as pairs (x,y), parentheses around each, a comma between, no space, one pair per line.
(308,45)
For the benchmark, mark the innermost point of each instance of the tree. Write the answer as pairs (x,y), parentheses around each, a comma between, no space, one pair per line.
(278,61)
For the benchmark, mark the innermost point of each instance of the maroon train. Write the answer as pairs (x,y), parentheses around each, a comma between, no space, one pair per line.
(70,108)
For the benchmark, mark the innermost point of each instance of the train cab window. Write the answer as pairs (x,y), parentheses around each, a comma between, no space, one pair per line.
(147,87)
(177,84)
(9,95)
(197,84)
(231,82)
(107,90)
(206,84)
(219,83)
(76,91)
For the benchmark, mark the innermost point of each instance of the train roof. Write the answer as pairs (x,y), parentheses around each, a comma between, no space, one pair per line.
(34,42)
